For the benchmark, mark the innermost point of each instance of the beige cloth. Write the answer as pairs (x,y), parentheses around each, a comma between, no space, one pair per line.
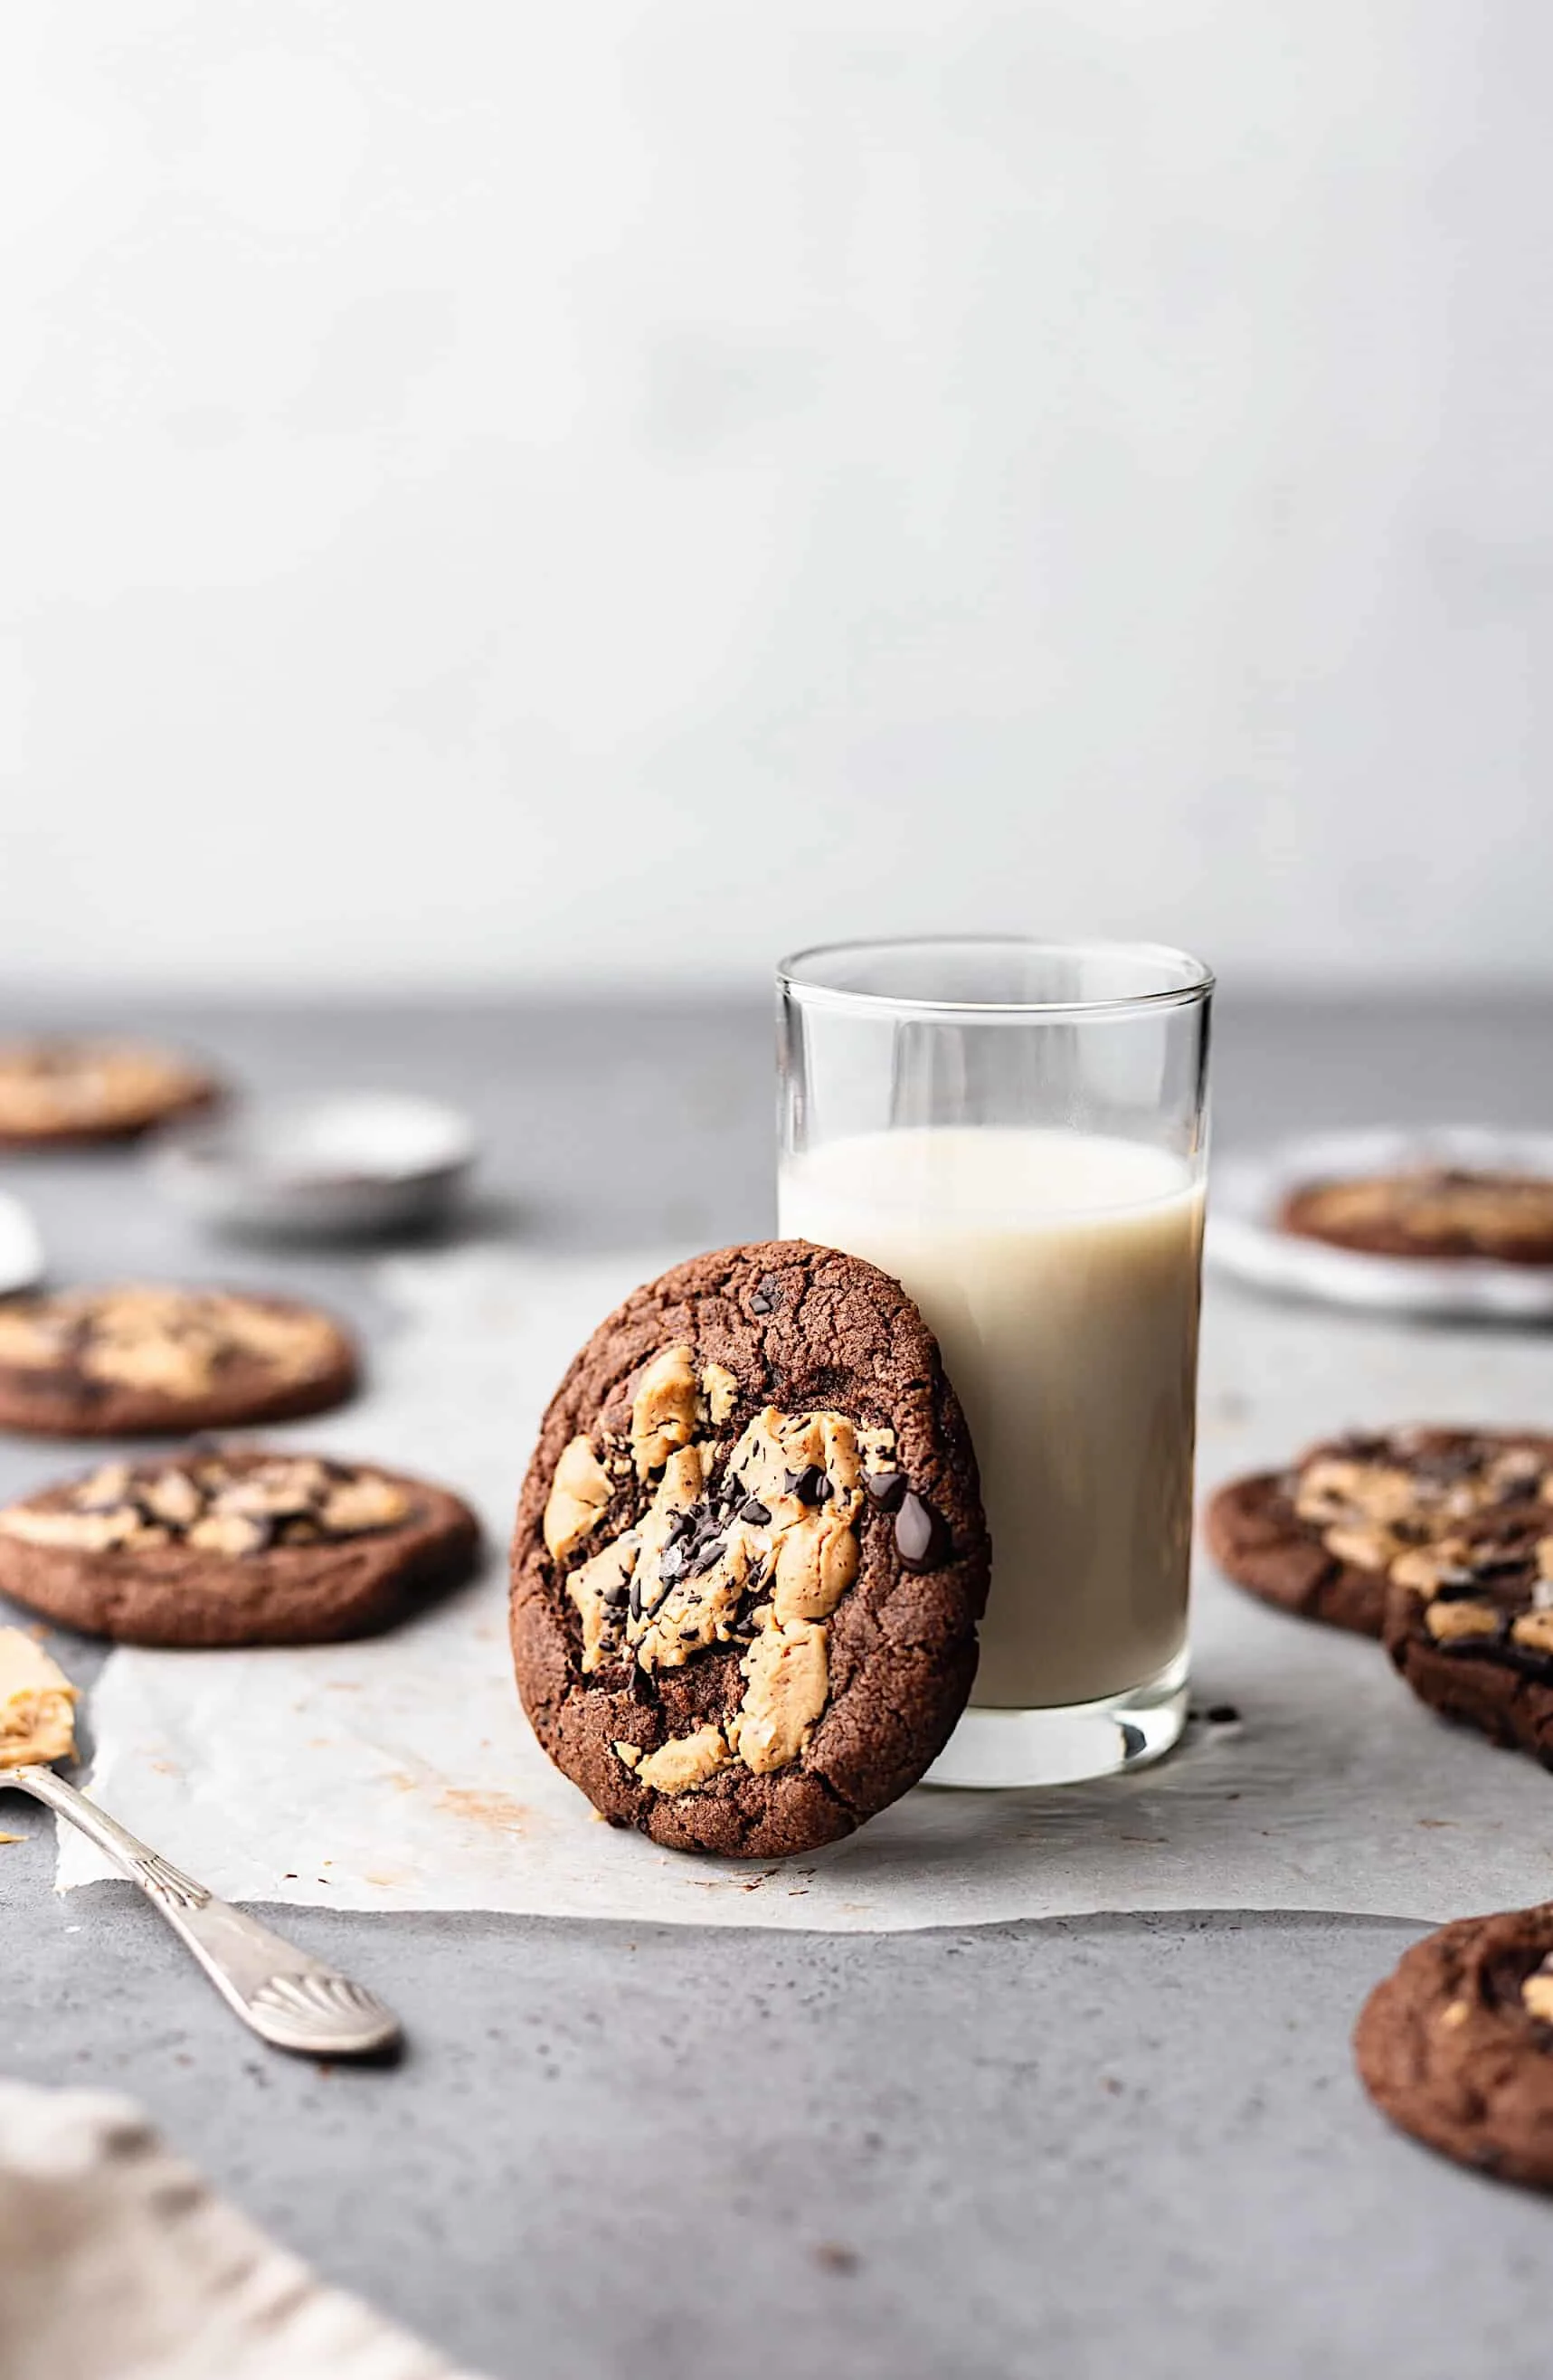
(118,2262)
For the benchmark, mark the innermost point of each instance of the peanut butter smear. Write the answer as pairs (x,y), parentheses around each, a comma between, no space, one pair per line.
(752,1545)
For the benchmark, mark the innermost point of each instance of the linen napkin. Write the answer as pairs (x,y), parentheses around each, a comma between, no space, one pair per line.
(118,2262)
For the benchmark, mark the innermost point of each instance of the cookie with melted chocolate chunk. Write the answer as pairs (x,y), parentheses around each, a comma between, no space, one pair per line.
(147,1359)
(1321,1539)
(750,1554)
(1456,2046)
(234,1545)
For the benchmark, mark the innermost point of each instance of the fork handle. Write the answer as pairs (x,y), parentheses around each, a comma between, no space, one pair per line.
(290,1999)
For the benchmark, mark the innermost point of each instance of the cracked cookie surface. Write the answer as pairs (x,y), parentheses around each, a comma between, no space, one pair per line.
(1437,1212)
(1323,1538)
(750,1554)
(140,1359)
(1456,2044)
(54,1091)
(234,1545)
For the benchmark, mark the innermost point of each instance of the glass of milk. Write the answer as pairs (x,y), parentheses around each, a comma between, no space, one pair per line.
(1018,1131)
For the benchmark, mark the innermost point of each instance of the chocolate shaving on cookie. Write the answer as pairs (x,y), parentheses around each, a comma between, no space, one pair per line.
(136,1360)
(55,1092)
(1440,1212)
(750,1554)
(234,1545)
(1322,1540)
(1456,2046)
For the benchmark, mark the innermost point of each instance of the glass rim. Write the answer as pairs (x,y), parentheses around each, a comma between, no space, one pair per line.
(793,977)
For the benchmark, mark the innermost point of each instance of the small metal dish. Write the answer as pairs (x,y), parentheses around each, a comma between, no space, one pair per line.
(342,1165)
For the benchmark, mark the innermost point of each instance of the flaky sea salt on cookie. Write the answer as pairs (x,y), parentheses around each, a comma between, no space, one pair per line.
(1436,1212)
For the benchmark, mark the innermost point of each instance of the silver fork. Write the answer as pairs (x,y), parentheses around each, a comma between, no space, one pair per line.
(291,2000)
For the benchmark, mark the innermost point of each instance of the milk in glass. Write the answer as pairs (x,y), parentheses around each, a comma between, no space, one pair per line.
(1059,1272)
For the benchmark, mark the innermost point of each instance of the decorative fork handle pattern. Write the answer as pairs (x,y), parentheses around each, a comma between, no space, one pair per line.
(291,2000)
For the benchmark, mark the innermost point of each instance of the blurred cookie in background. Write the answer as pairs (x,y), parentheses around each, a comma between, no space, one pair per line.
(59,1092)
(1438,1219)
(1435,1211)
(142,1359)
(1456,2044)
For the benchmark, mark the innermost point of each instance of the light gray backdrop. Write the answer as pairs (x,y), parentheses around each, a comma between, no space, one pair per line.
(497,490)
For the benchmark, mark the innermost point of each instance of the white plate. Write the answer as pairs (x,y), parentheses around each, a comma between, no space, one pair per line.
(337,1164)
(21,1248)
(1243,1238)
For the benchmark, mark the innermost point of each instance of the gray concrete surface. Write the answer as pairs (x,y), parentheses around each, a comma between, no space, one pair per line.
(1123,2145)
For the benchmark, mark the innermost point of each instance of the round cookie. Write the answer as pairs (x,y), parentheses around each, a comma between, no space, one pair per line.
(750,1554)
(55,1092)
(138,1361)
(1469,1624)
(1434,1212)
(234,1545)
(1456,2046)
(1320,1540)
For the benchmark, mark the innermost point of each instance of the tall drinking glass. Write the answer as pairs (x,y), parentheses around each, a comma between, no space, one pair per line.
(1018,1131)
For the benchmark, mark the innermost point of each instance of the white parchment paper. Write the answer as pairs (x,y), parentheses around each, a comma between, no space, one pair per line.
(400,1773)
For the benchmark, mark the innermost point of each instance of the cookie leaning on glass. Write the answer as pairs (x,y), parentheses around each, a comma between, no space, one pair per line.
(1322,1539)
(222,1546)
(750,1554)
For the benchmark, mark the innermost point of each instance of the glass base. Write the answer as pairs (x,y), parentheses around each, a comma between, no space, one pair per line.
(990,1749)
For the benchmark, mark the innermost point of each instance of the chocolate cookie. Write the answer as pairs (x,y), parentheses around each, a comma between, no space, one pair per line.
(55,1092)
(234,1545)
(750,1554)
(1321,1539)
(1435,1211)
(132,1362)
(1456,2046)
(1469,1622)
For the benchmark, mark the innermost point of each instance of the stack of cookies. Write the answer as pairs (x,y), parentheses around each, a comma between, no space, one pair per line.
(1437,1541)
(1441,1542)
